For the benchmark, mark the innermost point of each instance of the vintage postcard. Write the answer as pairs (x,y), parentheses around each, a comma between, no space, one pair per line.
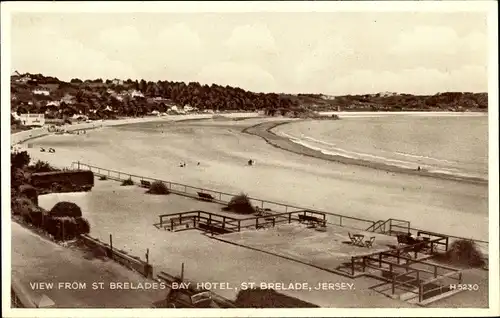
(210,159)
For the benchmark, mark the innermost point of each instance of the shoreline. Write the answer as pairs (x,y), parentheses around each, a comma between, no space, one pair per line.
(264,131)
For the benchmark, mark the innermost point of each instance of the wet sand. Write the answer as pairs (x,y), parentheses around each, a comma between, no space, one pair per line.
(265,131)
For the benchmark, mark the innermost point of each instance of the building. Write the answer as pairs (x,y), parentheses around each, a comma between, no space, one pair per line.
(135,93)
(32,119)
(41,91)
(54,103)
(117,82)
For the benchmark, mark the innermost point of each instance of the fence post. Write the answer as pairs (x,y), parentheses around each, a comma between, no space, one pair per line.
(257,223)
(239,225)
(274,222)
(393,279)
(223,222)
(447,243)
(340,220)
(290,217)
(182,272)
(171,225)
(111,244)
(147,256)
(435,271)
(286,208)
(364,263)
(78,164)
(432,247)
(460,278)
(420,293)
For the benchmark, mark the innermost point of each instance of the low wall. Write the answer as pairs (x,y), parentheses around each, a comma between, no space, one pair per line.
(128,261)
(27,135)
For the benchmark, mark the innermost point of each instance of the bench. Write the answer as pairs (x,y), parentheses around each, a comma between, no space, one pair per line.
(205,196)
(310,219)
(145,184)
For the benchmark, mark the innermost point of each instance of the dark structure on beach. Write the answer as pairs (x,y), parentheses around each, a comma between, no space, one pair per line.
(64,181)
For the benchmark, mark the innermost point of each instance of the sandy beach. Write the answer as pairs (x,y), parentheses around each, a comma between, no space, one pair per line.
(222,149)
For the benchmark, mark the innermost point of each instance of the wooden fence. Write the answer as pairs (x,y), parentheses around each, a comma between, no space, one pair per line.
(132,262)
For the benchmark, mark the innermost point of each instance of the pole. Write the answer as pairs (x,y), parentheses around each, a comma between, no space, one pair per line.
(182,272)
(111,243)
(147,256)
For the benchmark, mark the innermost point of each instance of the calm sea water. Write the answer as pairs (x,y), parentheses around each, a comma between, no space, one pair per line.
(448,144)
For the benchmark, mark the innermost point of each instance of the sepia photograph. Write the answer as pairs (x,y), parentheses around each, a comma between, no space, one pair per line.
(224,159)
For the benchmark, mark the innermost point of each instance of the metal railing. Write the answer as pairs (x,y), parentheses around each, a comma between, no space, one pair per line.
(224,197)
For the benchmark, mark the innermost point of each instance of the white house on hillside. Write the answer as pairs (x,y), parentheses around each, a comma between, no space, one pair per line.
(41,91)
(135,93)
(54,103)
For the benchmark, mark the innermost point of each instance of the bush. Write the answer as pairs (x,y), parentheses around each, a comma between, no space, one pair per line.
(64,208)
(83,226)
(463,252)
(102,178)
(240,204)
(23,206)
(42,166)
(62,228)
(128,182)
(30,192)
(66,227)
(158,187)
(19,159)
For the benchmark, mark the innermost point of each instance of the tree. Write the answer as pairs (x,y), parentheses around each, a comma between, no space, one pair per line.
(19,159)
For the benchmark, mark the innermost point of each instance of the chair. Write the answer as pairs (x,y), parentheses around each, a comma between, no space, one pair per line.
(352,238)
(369,243)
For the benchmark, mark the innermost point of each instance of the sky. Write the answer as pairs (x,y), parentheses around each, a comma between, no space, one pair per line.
(332,53)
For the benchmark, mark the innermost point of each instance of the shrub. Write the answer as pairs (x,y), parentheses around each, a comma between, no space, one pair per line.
(463,252)
(23,206)
(102,178)
(29,192)
(17,177)
(241,204)
(128,182)
(66,227)
(83,226)
(65,208)
(42,166)
(158,187)
(19,159)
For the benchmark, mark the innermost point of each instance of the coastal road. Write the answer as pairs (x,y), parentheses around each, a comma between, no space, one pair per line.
(37,261)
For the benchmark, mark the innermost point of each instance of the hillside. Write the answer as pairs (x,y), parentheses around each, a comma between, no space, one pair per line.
(98,99)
